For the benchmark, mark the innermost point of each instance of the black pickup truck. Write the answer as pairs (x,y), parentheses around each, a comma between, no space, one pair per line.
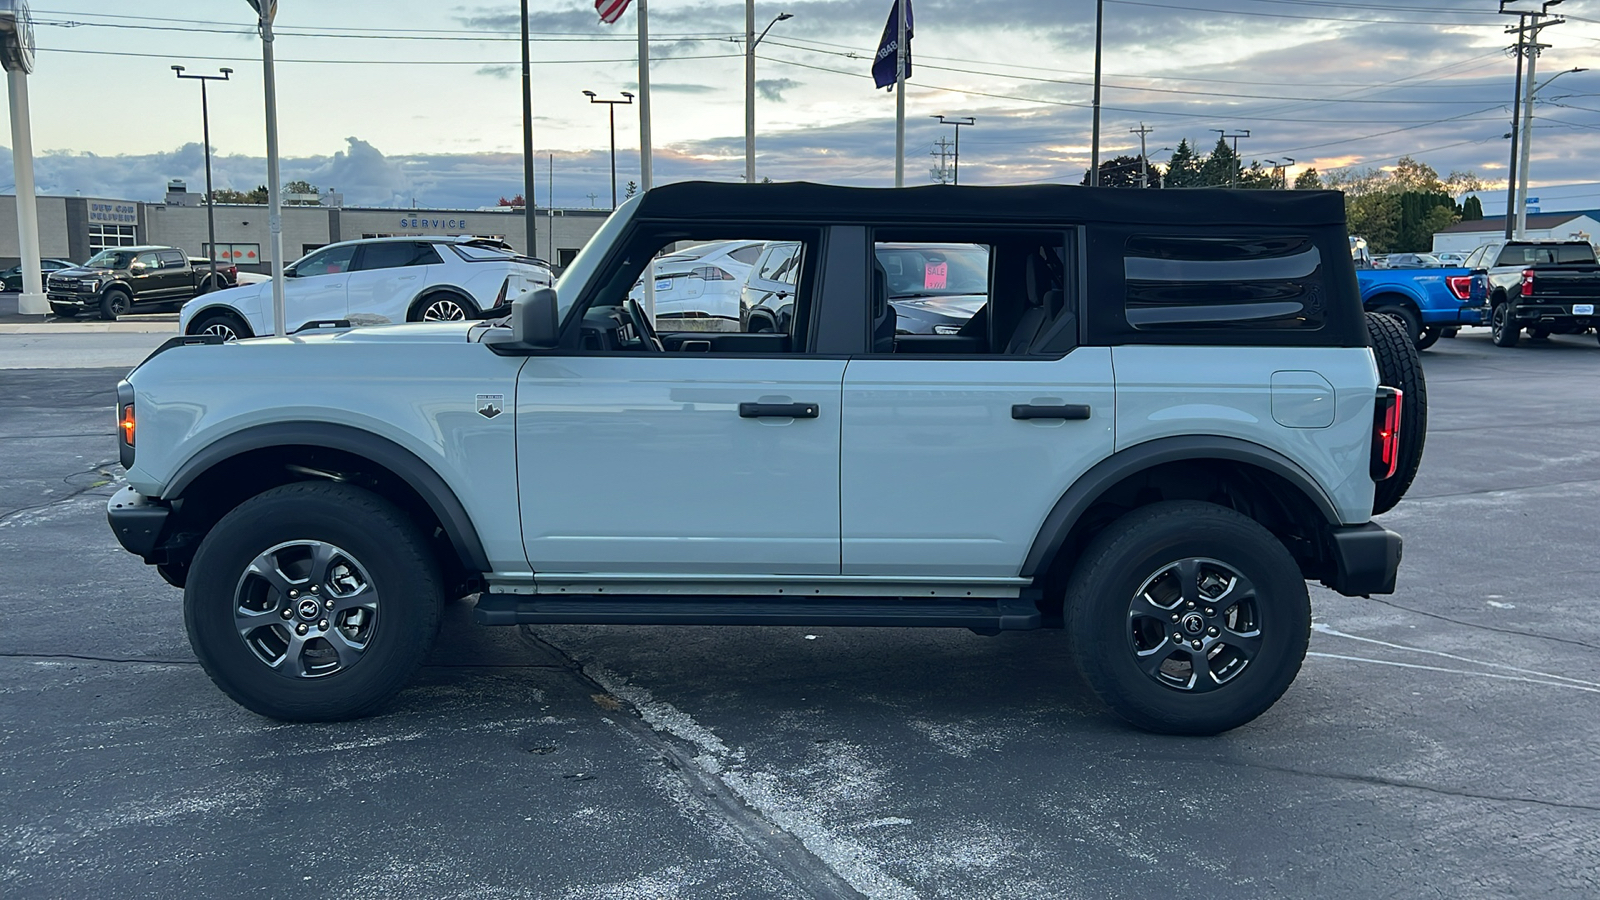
(1545,287)
(117,280)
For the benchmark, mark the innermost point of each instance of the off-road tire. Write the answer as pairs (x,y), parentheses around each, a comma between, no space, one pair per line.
(387,545)
(1147,540)
(115,302)
(1400,366)
(1503,327)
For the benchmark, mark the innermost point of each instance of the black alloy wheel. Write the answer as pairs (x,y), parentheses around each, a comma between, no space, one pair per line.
(1187,617)
(225,325)
(313,601)
(1503,329)
(114,303)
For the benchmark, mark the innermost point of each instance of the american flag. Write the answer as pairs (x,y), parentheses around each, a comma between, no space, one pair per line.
(611,10)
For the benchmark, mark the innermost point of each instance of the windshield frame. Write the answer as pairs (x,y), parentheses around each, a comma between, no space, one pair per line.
(121,257)
(583,267)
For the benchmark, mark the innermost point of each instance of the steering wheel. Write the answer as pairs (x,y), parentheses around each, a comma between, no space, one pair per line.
(641,324)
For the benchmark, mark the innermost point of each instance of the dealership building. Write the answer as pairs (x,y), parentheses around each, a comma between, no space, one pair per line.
(76,228)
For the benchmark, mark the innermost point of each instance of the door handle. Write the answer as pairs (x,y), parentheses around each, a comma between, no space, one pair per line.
(1066,411)
(778,410)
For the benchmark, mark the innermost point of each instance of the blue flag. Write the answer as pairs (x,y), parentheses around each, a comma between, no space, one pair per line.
(883,65)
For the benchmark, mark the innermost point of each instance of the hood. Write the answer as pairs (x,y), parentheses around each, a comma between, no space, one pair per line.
(79,272)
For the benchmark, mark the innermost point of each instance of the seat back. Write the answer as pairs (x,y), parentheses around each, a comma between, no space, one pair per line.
(884,317)
(1041,298)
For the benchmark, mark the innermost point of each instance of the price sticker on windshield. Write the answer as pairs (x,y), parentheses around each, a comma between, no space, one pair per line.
(934,275)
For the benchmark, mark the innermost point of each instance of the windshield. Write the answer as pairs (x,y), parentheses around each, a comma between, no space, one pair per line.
(109,259)
(935,270)
(583,266)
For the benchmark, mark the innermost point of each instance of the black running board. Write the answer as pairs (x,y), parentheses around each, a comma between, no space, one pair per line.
(1009,614)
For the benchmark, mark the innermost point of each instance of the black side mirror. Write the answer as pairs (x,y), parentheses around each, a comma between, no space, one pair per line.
(535,324)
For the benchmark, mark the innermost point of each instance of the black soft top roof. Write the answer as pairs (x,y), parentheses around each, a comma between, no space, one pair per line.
(1041,204)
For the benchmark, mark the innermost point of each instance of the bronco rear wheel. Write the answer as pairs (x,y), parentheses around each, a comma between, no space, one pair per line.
(312,601)
(1187,618)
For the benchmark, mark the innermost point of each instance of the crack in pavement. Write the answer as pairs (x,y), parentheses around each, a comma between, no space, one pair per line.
(97,469)
(1462,622)
(771,842)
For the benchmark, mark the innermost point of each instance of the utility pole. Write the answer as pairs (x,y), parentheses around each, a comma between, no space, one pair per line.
(1516,120)
(1233,176)
(945,120)
(529,211)
(1144,165)
(941,174)
(592,197)
(1094,139)
(1528,50)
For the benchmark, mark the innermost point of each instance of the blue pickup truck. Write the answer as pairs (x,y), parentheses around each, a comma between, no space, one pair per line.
(1425,302)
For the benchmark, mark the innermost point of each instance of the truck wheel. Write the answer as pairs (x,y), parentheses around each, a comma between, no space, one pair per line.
(1430,336)
(313,601)
(1503,329)
(1187,618)
(229,326)
(1400,366)
(1408,320)
(115,302)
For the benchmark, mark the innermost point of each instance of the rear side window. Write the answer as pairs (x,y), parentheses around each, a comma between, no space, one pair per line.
(747,255)
(1546,254)
(1239,282)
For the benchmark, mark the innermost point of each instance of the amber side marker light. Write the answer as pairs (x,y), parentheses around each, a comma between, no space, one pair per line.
(127,425)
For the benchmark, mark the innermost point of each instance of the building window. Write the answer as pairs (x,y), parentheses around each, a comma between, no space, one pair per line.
(566,256)
(234,253)
(103,236)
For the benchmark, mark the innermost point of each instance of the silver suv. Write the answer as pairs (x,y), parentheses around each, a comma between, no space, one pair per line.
(1167,414)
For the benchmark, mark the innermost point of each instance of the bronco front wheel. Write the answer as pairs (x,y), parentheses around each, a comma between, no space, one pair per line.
(312,601)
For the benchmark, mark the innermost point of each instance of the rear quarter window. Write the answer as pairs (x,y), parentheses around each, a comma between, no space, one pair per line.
(1223,283)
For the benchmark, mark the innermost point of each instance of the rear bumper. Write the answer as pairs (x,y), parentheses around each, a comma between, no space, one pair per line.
(136,522)
(1465,315)
(1366,559)
(1556,313)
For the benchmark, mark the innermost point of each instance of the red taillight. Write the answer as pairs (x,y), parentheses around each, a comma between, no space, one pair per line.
(711,273)
(1386,433)
(1527,282)
(126,425)
(1461,286)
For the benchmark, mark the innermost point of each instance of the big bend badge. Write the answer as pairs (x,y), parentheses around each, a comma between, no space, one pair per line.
(491,405)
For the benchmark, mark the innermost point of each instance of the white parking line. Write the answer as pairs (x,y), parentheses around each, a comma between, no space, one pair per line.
(1321,628)
(1401,665)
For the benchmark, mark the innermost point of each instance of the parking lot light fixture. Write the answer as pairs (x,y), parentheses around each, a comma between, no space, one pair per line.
(205,131)
(969,121)
(751,40)
(611,106)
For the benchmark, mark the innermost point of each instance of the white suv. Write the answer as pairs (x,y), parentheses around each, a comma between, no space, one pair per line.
(374,282)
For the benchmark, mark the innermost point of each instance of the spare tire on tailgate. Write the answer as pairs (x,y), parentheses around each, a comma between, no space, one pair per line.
(1400,366)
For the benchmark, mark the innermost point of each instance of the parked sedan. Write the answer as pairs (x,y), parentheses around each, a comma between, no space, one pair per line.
(373,282)
(12,277)
(1412,261)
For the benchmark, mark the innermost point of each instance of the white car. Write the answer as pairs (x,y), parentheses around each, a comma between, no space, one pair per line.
(697,288)
(374,282)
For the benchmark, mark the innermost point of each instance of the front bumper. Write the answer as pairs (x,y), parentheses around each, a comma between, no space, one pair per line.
(1366,560)
(84,301)
(136,522)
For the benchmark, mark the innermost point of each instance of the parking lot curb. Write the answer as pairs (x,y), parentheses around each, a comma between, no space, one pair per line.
(88,327)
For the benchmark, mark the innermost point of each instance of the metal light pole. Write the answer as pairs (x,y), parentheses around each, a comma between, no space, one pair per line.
(612,105)
(16,53)
(268,10)
(530,217)
(968,120)
(205,133)
(1094,140)
(1527,137)
(900,96)
(750,42)
(1287,184)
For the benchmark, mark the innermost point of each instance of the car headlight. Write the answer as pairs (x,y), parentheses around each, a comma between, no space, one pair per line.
(947,329)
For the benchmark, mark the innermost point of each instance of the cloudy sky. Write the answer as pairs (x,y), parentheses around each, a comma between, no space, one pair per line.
(395,102)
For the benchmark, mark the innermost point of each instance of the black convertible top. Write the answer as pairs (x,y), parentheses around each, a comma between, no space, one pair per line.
(1046,203)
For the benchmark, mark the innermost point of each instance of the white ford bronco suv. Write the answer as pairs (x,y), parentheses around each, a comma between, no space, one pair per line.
(1168,415)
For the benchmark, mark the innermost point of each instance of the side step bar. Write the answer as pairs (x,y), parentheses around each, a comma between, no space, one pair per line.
(1008,614)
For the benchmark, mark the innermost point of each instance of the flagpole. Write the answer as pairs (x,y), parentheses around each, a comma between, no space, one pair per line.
(900,98)
(645,173)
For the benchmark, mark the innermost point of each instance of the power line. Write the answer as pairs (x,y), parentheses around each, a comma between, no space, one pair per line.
(381,62)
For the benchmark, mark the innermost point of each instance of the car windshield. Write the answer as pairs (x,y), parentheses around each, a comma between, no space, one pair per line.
(109,259)
(935,270)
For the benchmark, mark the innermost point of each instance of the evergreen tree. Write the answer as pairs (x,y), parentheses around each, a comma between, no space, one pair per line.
(1257,177)
(1308,180)
(1123,171)
(1471,210)
(1221,168)
(1183,170)
(631,189)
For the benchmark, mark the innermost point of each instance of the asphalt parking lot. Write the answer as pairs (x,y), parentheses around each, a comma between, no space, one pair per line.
(1439,742)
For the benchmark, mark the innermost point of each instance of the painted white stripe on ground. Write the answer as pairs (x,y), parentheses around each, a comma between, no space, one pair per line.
(1401,665)
(1333,632)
